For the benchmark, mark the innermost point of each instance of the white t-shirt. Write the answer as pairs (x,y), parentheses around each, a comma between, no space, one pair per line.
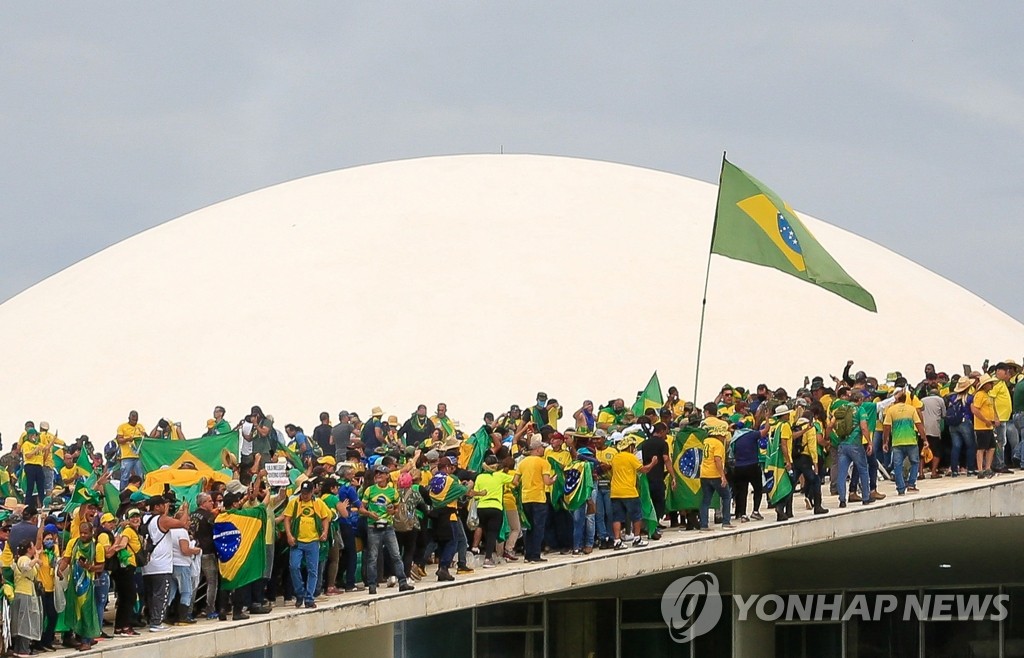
(178,558)
(160,562)
(245,447)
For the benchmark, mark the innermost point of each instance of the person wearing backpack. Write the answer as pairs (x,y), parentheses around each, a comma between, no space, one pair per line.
(960,422)
(844,429)
(157,556)
(380,500)
(408,512)
(306,520)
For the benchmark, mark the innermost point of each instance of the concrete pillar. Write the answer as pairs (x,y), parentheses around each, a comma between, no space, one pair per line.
(372,641)
(752,637)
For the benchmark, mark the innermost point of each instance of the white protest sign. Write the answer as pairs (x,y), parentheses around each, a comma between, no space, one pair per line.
(277,474)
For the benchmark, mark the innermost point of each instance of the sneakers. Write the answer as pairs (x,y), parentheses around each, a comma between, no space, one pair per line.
(756,516)
(628,538)
(159,629)
(744,519)
(508,557)
(728,526)
(392,581)
(640,542)
(912,490)
(705,529)
(406,588)
(618,545)
(488,564)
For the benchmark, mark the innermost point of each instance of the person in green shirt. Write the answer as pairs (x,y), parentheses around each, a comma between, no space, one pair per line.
(850,449)
(379,500)
(865,421)
(220,426)
(490,506)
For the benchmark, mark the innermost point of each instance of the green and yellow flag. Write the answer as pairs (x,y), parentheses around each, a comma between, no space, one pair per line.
(687,452)
(203,452)
(474,449)
(647,512)
(238,538)
(777,483)
(753,224)
(575,484)
(445,490)
(650,397)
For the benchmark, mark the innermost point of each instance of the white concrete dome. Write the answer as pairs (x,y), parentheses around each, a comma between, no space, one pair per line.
(474,280)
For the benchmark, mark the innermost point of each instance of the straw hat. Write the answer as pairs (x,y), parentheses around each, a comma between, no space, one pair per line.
(985,379)
(450,443)
(393,420)
(781,410)
(962,385)
(376,412)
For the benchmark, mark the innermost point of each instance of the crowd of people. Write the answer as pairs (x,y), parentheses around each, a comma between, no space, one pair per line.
(382,501)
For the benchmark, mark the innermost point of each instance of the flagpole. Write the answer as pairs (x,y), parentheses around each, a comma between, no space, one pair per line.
(707,278)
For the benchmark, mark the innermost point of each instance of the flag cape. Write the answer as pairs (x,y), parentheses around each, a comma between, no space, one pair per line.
(753,224)
(687,451)
(206,451)
(445,490)
(474,449)
(576,484)
(558,488)
(647,513)
(238,538)
(649,398)
(777,483)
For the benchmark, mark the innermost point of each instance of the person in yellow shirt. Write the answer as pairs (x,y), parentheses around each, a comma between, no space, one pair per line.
(52,443)
(625,495)
(805,460)
(33,452)
(535,474)
(1003,402)
(306,522)
(26,616)
(712,480)
(124,577)
(985,421)
(128,438)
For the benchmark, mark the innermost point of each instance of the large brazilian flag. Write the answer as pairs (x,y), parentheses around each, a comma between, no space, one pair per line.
(238,538)
(753,224)
(687,451)
(203,452)
(445,490)
(777,483)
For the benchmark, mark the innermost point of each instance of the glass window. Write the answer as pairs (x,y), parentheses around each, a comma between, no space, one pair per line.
(651,642)
(889,636)
(1013,626)
(508,644)
(642,611)
(509,615)
(961,637)
(582,628)
(808,640)
(718,641)
(421,635)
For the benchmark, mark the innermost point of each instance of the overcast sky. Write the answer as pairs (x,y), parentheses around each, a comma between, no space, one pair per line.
(902,122)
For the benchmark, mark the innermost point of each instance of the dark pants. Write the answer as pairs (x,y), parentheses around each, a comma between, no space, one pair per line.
(561,521)
(124,585)
(158,594)
(347,563)
(657,488)
(803,465)
(240,599)
(35,480)
(784,507)
(490,522)
(537,515)
(743,477)
(49,619)
(407,546)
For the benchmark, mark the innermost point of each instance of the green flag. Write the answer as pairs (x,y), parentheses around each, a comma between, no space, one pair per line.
(111,498)
(650,397)
(204,452)
(81,495)
(475,449)
(687,452)
(84,462)
(647,513)
(188,493)
(238,538)
(753,224)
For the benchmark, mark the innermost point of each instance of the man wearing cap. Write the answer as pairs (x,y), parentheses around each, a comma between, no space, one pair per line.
(306,522)
(849,448)
(612,414)
(1017,415)
(625,495)
(543,413)
(535,474)
(372,433)
(158,571)
(49,440)
(379,500)
(603,519)
(127,437)
(901,428)
(985,421)
(1003,403)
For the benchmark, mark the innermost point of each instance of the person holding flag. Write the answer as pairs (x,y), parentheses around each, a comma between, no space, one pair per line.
(625,494)
(778,484)
(445,491)
(490,508)
(713,480)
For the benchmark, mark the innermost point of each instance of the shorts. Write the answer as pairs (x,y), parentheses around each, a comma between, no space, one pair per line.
(626,510)
(934,444)
(985,439)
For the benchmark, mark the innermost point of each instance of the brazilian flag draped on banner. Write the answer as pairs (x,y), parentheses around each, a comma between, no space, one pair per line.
(753,224)
(474,449)
(574,485)
(777,483)
(205,452)
(238,536)
(650,397)
(445,490)
(189,493)
(687,452)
